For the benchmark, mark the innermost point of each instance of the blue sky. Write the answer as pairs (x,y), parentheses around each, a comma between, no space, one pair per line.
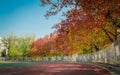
(23,17)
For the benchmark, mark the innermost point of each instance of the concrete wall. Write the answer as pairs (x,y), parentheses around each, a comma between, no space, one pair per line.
(109,55)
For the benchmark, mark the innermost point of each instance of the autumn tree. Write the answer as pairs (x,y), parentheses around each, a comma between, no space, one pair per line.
(101,12)
(78,33)
(43,47)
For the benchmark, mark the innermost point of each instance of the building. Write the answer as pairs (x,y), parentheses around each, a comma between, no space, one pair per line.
(3,49)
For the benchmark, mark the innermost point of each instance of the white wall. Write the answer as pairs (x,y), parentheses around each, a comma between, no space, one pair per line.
(2,46)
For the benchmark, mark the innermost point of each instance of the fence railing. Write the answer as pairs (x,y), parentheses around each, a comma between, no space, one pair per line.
(39,59)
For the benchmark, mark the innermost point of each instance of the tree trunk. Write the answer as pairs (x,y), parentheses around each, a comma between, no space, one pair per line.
(111,39)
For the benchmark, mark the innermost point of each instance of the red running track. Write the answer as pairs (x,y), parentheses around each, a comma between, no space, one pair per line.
(56,69)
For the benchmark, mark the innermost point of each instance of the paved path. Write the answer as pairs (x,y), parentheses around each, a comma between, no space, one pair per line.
(114,69)
(56,69)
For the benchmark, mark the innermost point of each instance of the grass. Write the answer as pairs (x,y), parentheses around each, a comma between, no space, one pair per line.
(16,64)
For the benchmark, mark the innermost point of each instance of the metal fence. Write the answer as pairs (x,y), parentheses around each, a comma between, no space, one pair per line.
(39,59)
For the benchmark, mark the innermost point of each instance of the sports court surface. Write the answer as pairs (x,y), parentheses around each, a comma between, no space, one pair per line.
(55,69)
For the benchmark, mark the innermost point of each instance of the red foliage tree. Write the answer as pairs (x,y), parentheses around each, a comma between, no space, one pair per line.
(83,27)
(43,46)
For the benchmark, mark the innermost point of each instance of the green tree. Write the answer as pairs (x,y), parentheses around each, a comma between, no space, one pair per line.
(18,46)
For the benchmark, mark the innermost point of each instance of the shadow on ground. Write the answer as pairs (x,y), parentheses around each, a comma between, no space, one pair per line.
(56,69)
